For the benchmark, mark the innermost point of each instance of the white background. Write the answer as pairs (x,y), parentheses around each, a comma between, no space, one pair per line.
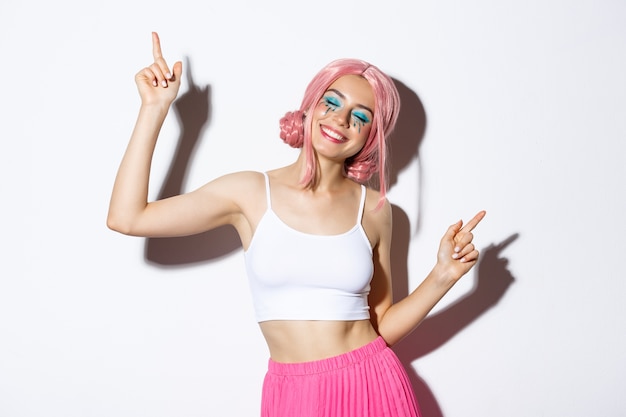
(514,107)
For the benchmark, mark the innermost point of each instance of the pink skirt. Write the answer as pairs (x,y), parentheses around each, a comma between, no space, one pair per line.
(367,382)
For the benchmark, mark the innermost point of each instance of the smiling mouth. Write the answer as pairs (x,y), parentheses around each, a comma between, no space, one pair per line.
(332,135)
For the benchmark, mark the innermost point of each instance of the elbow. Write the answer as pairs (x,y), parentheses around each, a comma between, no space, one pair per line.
(117,224)
(391,338)
(391,331)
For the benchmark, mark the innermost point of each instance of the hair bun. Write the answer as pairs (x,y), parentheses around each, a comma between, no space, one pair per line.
(292,128)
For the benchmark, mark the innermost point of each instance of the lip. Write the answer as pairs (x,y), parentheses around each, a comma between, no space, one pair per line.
(332,135)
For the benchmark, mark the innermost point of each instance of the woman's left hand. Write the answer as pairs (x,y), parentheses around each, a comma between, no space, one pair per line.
(457,254)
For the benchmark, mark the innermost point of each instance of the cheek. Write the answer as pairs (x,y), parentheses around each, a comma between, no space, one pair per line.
(321,110)
(362,140)
(364,131)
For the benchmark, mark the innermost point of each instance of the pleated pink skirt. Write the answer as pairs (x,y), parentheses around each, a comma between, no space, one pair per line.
(367,382)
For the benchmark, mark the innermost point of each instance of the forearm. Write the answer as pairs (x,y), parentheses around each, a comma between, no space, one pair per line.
(130,190)
(405,315)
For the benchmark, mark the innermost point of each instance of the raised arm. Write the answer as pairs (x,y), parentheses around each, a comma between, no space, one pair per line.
(129,211)
(456,256)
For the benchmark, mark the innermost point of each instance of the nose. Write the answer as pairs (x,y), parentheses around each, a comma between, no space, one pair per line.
(342,117)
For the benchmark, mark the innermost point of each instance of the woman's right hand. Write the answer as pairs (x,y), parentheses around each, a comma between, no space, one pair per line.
(157,84)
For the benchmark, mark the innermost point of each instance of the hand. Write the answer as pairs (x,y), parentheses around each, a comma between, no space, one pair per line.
(457,254)
(158,84)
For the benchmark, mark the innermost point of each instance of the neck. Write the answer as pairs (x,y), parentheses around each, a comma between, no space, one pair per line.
(329,174)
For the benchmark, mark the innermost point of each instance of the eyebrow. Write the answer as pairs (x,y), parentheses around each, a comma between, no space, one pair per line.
(340,94)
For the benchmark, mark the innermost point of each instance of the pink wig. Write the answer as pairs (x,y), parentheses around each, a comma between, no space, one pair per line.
(295,127)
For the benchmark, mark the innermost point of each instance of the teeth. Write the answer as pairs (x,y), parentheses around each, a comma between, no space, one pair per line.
(333,135)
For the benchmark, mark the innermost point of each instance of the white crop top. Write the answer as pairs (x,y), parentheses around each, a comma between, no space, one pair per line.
(300,276)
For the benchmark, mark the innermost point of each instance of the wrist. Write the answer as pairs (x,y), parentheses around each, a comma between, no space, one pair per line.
(443,276)
(159,107)
(153,112)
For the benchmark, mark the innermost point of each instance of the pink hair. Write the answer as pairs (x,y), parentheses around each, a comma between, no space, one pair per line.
(295,127)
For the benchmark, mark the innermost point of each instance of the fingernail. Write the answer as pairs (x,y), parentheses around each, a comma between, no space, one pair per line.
(164,83)
(455,255)
(154,83)
(168,76)
(457,249)
(463,260)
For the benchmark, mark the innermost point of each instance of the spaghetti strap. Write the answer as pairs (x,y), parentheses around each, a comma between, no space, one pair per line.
(361,204)
(267,191)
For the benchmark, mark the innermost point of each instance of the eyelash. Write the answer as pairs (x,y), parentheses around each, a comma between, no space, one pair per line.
(361,117)
(331,104)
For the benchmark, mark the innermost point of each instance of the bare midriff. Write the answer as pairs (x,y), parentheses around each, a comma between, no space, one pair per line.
(291,341)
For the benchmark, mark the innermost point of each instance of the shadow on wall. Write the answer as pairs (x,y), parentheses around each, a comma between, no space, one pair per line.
(492,276)
(492,279)
(193,110)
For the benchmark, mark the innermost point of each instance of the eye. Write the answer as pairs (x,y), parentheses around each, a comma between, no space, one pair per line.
(359,120)
(331,103)
(361,117)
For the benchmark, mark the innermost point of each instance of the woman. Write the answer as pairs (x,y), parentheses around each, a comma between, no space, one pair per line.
(316,241)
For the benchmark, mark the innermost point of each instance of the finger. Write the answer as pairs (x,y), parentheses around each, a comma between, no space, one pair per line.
(454,229)
(178,71)
(158,57)
(148,75)
(466,250)
(474,222)
(470,257)
(461,240)
(163,79)
(156,46)
(158,75)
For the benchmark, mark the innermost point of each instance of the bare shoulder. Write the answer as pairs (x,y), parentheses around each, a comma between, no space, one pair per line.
(241,187)
(377,217)
(285,176)
(378,208)
(241,178)
(236,181)
(237,199)
(244,179)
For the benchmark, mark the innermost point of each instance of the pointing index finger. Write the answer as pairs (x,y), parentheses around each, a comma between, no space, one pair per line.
(156,46)
(474,222)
